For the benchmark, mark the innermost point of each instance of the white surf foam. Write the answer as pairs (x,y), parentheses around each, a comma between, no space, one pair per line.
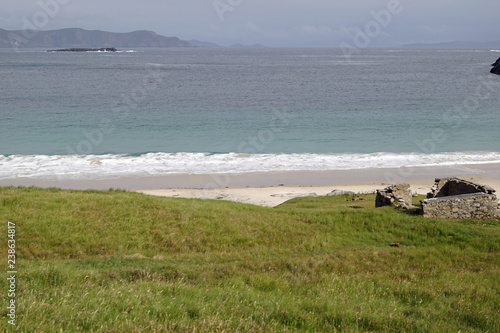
(72,167)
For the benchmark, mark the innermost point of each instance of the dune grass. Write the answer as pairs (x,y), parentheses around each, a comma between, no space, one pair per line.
(113,261)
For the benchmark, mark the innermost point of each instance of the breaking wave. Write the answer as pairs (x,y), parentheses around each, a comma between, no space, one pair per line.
(73,167)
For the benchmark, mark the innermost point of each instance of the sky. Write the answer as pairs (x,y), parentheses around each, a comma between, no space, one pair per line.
(278,23)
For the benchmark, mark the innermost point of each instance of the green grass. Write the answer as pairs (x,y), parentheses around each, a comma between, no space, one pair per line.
(125,262)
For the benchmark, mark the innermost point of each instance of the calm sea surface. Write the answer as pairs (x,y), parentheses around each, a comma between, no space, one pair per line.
(153,112)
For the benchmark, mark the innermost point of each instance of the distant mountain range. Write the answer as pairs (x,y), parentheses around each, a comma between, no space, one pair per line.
(197,43)
(456,45)
(80,38)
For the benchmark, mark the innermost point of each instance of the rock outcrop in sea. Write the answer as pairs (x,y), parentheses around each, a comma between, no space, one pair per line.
(103,49)
(496,67)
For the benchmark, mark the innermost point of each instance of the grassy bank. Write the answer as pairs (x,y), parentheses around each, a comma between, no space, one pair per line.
(125,262)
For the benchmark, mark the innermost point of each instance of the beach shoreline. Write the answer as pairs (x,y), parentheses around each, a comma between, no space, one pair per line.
(275,195)
(273,188)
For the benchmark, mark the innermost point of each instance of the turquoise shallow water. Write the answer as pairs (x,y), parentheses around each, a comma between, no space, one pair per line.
(214,110)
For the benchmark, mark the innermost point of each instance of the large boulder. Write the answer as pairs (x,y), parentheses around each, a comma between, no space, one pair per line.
(339,192)
(496,67)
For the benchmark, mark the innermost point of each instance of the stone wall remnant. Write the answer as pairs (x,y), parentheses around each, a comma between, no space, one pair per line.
(466,206)
(454,198)
(398,195)
(444,187)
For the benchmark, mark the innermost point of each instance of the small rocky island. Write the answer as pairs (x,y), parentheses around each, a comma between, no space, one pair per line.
(496,67)
(104,49)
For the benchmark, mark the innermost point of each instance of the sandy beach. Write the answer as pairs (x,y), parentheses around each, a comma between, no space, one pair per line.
(276,195)
(268,193)
(271,189)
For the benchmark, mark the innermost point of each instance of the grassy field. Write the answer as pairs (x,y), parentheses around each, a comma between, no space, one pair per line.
(125,262)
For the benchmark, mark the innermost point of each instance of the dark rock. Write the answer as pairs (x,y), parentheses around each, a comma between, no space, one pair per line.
(496,67)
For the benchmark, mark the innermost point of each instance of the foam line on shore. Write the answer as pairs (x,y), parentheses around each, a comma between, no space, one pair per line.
(93,167)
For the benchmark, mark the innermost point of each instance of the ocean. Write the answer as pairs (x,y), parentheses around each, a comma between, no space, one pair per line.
(149,112)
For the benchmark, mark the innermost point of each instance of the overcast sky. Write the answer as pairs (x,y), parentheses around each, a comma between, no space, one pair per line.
(282,23)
